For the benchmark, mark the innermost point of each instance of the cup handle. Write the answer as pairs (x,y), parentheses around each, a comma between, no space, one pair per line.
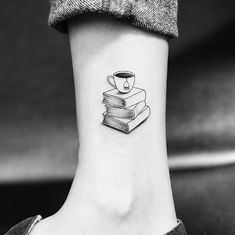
(111,83)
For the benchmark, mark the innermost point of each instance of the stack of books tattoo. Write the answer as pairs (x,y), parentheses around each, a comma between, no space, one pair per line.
(125,111)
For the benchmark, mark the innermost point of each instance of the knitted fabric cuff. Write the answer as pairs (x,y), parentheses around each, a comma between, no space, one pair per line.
(158,16)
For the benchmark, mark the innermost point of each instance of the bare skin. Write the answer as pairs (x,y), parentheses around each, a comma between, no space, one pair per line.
(122,183)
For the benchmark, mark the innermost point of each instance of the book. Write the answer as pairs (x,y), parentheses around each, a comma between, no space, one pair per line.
(126,125)
(115,98)
(130,112)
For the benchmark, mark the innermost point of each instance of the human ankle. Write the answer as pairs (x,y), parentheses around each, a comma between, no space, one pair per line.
(121,200)
(125,182)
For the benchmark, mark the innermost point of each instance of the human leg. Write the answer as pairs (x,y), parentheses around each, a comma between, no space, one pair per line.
(122,183)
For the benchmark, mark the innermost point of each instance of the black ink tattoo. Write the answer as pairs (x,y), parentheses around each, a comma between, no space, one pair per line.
(125,105)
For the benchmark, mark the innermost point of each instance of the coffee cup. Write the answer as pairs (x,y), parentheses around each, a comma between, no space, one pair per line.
(122,80)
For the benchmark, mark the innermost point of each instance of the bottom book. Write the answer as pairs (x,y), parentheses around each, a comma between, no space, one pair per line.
(126,125)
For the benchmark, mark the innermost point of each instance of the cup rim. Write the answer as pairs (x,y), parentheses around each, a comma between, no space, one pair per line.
(124,71)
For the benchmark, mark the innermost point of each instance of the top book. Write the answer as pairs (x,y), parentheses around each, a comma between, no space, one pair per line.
(115,98)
